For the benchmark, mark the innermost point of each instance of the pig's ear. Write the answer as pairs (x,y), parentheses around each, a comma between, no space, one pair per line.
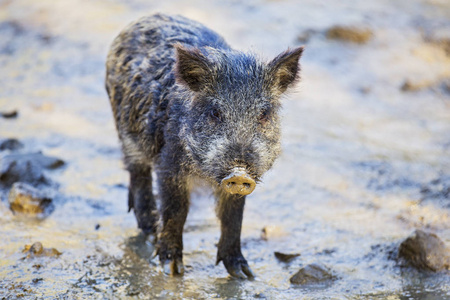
(192,68)
(285,69)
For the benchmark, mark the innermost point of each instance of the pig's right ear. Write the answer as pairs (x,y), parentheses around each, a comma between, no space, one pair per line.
(285,69)
(192,68)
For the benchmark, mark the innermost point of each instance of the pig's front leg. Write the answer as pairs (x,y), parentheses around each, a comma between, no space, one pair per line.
(174,209)
(230,212)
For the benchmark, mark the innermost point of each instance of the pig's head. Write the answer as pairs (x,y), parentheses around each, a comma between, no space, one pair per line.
(231,127)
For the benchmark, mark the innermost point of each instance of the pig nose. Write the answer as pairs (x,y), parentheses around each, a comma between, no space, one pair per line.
(238,182)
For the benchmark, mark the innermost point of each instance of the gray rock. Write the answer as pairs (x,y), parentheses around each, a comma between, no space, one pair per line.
(25,199)
(425,251)
(311,274)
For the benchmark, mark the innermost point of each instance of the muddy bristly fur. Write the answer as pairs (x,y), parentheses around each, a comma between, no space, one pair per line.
(187,105)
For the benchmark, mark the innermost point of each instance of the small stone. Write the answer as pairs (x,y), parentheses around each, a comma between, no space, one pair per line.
(349,34)
(10,144)
(313,273)
(25,199)
(425,251)
(133,290)
(38,250)
(260,295)
(37,280)
(9,114)
(272,231)
(286,257)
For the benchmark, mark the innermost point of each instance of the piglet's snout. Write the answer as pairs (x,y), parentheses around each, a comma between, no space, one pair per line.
(238,182)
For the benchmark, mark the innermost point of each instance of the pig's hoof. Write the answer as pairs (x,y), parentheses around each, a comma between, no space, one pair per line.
(171,262)
(238,267)
(173,267)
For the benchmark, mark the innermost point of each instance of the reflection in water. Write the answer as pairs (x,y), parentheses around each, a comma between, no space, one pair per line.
(230,288)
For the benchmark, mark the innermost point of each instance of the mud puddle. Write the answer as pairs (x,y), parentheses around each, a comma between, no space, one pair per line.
(365,160)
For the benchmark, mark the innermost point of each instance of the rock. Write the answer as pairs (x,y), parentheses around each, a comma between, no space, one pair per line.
(425,251)
(28,167)
(38,250)
(349,34)
(25,199)
(9,114)
(272,231)
(37,280)
(313,273)
(285,257)
(10,144)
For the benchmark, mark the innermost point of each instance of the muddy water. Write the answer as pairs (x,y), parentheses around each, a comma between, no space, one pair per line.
(349,187)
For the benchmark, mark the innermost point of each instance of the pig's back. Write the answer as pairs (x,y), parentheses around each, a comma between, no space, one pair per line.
(140,79)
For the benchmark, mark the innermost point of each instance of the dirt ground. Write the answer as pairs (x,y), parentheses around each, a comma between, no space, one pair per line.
(366,144)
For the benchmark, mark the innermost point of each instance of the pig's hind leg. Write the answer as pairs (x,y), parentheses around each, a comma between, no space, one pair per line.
(141,199)
(174,209)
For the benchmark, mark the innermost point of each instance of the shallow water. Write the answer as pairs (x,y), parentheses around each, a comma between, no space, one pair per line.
(357,152)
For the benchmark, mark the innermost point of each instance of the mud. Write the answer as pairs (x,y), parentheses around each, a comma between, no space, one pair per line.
(356,177)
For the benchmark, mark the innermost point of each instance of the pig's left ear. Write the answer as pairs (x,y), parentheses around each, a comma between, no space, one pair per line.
(192,68)
(285,69)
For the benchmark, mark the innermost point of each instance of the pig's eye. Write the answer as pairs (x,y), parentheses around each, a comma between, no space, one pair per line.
(264,117)
(215,114)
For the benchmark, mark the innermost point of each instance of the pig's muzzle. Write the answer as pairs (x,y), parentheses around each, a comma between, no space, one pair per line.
(238,182)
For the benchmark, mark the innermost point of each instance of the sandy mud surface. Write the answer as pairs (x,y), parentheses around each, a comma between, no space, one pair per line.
(365,163)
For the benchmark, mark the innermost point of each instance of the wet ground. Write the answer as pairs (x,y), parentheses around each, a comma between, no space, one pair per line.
(365,161)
